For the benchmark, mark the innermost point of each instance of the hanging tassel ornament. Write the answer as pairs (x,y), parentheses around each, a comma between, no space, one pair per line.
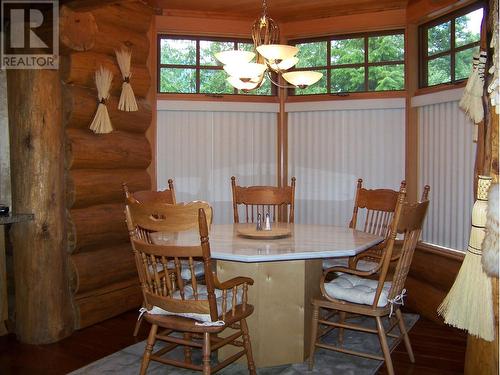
(472,102)
(127,97)
(494,86)
(101,123)
(468,304)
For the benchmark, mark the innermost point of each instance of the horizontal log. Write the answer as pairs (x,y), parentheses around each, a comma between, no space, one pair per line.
(116,150)
(95,269)
(80,104)
(134,16)
(99,226)
(111,37)
(424,299)
(77,30)
(104,303)
(79,68)
(99,186)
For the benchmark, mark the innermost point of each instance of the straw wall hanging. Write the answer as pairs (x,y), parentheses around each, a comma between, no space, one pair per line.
(102,123)
(127,97)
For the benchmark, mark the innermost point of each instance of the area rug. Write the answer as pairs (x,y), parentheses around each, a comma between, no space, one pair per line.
(128,360)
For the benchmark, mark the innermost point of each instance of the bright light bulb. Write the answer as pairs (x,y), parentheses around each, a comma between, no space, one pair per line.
(302,78)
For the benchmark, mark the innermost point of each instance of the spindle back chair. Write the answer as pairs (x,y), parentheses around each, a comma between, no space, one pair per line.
(351,291)
(148,196)
(278,202)
(199,311)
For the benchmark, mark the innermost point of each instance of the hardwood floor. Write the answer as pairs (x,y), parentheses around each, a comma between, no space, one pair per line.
(438,349)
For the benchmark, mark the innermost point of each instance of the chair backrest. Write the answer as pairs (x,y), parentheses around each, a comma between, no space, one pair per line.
(408,221)
(148,196)
(378,206)
(279,202)
(160,266)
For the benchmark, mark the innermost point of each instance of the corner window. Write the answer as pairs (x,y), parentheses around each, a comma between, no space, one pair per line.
(186,65)
(354,63)
(447,46)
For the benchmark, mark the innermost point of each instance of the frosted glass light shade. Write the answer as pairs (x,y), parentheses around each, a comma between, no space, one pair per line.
(284,65)
(234,57)
(245,71)
(277,51)
(240,85)
(302,79)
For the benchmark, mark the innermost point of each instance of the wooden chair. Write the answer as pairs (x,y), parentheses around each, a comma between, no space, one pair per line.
(378,223)
(198,312)
(279,202)
(352,292)
(372,213)
(147,196)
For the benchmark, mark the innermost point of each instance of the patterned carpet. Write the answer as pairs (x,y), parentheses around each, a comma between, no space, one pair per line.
(127,361)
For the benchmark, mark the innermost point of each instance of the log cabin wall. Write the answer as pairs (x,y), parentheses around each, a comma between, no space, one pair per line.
(102,273)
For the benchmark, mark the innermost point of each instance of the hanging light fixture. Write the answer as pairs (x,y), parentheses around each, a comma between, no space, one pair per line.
(270,57)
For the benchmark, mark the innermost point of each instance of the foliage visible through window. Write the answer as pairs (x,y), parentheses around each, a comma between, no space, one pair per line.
(354,63)
(447,46)
(187,65)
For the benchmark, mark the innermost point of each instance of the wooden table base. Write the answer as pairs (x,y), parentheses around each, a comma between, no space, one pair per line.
(281,295)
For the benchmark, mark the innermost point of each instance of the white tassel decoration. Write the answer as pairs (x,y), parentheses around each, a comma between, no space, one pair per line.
(127,97)
(472,102)
(494,86)
(102,123)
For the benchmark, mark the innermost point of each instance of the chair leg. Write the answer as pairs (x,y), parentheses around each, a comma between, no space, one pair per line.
(385,347)
(137,326)
(149,348)
(206,353)
(248,347)
(342,315)
(187,349)
(314,335)
(404,333)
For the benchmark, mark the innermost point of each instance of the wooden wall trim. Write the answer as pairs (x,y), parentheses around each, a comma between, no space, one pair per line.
(432,273)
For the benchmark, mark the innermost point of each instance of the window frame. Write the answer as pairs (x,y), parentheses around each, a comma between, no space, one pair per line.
(365,64)
(423,54)
(198,67)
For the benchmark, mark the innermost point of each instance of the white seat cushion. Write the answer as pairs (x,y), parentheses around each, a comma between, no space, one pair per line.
(355,289)
(362,265)
(185,270)
(202,295)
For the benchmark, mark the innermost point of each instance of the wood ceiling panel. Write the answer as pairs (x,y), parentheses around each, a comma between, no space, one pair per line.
(280,10)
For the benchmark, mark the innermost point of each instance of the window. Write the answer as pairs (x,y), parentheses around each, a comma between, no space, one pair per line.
(186,65)
(447,46)
(354,63)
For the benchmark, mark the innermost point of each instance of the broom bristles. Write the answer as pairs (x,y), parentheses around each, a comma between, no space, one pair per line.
(127,99)
(101,123)
(468,304)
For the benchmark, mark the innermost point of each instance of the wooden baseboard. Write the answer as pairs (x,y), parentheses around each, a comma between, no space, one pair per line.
(431,276)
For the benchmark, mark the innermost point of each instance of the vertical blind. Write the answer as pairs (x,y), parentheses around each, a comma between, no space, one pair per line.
(446,163)
(201,150)
(329,150)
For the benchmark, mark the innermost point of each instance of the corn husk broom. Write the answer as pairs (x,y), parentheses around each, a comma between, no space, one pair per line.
(468,304)
(102,123)
(127,98)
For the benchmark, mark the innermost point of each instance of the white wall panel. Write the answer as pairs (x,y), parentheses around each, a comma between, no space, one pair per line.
(202,150)
(330,150)
(446,163)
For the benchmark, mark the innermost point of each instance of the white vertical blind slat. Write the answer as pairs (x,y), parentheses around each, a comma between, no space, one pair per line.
(201,150)
(446,163)
(330,150)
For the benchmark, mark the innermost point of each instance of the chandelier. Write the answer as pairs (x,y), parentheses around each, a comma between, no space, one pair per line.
(269,57)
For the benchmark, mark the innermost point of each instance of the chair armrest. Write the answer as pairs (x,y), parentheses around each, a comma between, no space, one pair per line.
(228,284)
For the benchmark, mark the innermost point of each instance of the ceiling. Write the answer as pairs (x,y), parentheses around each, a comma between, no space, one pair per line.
(280,10)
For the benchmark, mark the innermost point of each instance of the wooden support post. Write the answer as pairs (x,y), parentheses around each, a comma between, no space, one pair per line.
(43,303)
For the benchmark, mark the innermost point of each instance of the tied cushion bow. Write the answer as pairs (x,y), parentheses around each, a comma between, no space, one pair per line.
(397,300)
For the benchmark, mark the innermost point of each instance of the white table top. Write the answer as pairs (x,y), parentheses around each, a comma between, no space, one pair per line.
(307,241)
